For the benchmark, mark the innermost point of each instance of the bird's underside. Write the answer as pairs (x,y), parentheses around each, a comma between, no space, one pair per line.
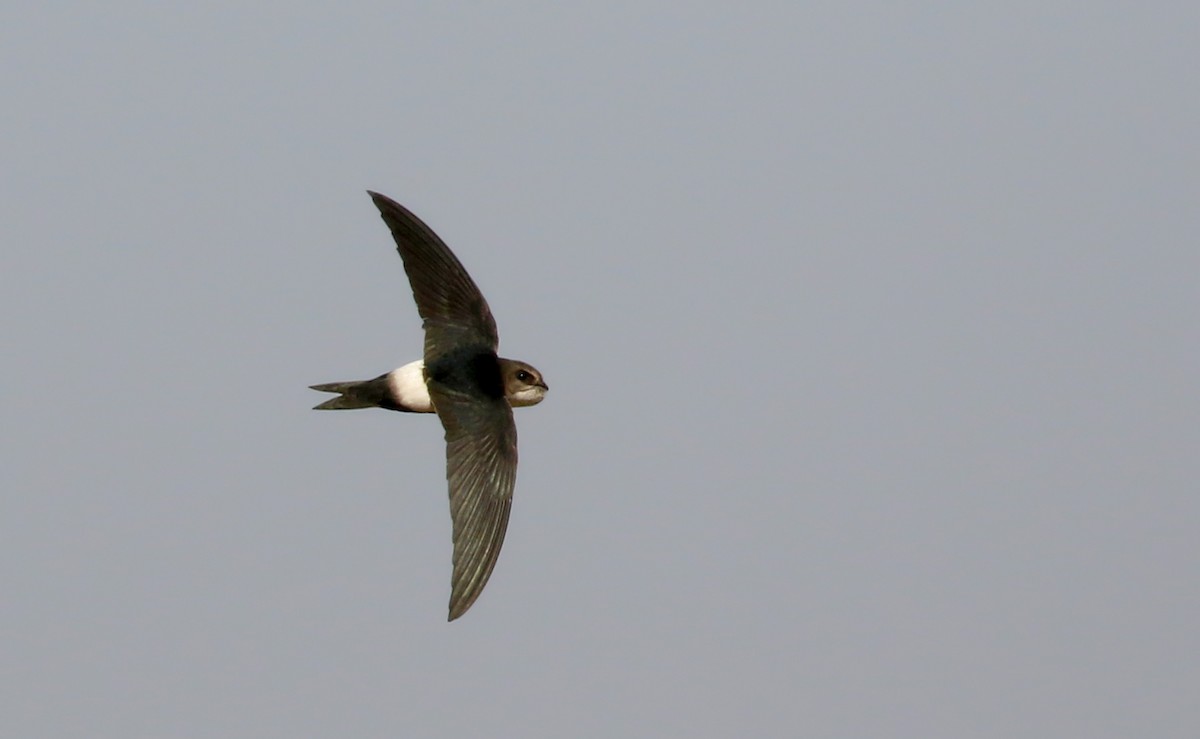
(471,389)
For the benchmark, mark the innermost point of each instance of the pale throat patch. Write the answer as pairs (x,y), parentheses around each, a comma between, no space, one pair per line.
(527,396)
(408,387)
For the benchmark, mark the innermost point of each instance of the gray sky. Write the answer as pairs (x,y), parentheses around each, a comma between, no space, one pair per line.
(871,331)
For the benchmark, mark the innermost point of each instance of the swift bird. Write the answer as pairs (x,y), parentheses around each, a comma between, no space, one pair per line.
(472,390)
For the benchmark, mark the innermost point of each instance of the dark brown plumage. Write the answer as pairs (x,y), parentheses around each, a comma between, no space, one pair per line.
(467,384)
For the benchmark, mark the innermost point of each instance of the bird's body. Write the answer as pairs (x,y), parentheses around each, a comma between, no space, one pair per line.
(471,389)
(405,389)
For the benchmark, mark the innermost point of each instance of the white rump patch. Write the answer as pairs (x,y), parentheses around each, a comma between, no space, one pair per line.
(408,387)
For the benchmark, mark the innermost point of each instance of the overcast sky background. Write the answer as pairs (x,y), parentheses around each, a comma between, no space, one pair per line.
(871,330)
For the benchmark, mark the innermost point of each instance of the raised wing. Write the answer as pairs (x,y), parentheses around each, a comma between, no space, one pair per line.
(454,310)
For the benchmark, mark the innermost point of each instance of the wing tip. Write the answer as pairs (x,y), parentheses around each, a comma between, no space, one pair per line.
(381,201)
(459,606)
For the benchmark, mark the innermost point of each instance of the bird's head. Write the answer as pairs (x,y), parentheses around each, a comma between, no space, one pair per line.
(523,385)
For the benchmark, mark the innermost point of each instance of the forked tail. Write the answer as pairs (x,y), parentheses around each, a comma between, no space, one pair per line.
(358,394)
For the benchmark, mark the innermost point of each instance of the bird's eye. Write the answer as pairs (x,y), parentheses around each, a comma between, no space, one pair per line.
(524,376)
